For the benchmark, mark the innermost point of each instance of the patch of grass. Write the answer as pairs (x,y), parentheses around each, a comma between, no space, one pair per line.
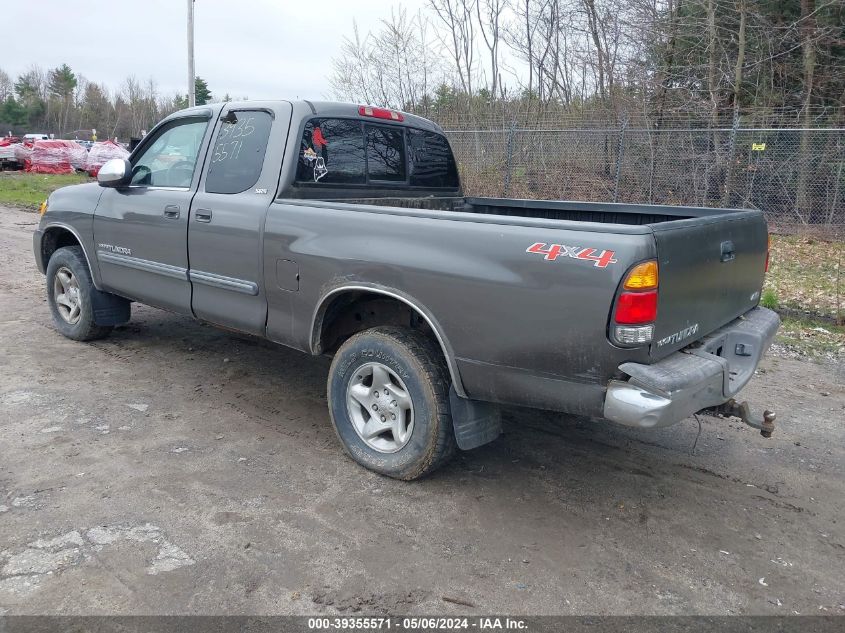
(805,337)
(803,275)
(769,299)
(28,191)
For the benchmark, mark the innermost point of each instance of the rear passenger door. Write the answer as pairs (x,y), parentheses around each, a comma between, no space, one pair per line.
(227,217)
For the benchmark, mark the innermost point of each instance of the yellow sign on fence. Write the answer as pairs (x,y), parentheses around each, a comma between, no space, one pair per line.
(758,147)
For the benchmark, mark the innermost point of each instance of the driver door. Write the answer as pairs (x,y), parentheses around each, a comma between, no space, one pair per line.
(141,230)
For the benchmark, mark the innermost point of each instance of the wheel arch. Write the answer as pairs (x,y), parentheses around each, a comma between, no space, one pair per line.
(57,236)
(335,298)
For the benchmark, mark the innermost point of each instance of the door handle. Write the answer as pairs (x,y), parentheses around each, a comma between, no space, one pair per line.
(202,215)
(171,211)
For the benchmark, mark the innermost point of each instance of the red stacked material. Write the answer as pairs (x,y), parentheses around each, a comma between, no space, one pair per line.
(102,152)
(55,157)
(7,150)
(23,154)
(78,156)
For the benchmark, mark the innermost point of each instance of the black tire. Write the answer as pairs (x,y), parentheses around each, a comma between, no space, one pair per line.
(84,328)
(420,363)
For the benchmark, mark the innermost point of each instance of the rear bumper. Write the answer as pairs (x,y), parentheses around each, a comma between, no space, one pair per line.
(705,374)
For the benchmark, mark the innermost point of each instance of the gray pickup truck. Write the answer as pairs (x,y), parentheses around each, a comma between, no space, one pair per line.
(343,230)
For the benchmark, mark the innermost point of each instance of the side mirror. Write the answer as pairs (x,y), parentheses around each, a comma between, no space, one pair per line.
(114,173)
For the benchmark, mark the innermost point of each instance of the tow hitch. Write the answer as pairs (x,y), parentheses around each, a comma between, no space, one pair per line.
(734,409)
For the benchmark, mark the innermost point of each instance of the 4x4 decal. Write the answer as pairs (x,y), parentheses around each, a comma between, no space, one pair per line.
(600,259)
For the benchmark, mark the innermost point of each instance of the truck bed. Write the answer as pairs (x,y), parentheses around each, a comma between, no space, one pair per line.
(712,261)
(598,212)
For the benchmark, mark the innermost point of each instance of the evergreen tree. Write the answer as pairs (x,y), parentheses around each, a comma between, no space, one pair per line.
(13,113)
(203,94)
(61,84)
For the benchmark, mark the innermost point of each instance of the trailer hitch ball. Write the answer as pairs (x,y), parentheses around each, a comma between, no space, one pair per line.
(766,424)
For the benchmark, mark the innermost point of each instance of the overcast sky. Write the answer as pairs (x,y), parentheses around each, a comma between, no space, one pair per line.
(248,48)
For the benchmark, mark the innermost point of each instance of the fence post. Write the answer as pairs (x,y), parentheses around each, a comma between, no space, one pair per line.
(620,152)
(508,157)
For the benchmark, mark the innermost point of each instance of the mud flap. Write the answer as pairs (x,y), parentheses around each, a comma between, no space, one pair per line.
(109,309)
(476,423)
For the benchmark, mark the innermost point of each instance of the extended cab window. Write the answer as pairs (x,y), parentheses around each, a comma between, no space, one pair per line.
(332,152)
(237,154)
(432,162)
(170,157)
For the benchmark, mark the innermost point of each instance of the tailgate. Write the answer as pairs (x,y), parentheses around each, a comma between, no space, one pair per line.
(711,271)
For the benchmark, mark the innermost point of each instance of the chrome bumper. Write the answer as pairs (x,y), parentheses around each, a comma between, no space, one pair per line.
(706,374)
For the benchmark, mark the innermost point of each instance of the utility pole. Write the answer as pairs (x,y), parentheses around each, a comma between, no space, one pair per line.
(192,97)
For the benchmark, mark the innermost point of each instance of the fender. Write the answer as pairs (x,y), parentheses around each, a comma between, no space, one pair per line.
(95,272)
(317,321)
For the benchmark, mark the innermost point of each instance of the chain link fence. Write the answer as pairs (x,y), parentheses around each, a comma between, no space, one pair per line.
(795,175)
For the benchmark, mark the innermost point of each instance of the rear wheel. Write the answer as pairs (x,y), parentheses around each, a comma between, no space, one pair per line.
(69,293)
(388,393)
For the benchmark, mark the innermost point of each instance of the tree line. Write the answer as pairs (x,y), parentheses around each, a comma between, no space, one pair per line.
(652,58)
(61,101)
(656,59)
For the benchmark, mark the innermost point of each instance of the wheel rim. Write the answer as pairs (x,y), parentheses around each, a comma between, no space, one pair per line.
(67,296)
(380,408)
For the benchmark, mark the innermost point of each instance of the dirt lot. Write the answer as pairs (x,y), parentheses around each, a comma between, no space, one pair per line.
(176,468)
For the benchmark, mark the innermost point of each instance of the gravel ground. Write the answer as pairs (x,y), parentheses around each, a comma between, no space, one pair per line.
(176,468)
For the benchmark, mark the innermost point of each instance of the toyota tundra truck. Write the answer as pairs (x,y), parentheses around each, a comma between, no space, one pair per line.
(343,230)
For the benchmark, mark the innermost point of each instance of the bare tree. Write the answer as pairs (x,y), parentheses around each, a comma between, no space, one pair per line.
(456,16)
(392,66)
(742,9)
(808,30)
(489,13)
(6,86)
(352,70)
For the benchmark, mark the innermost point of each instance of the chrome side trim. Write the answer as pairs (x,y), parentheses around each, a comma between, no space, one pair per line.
(166,270)
(157,187)
(441,340)
(224,283)
(75,233)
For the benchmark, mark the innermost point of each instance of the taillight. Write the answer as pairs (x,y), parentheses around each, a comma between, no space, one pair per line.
(380,113)
(636,307)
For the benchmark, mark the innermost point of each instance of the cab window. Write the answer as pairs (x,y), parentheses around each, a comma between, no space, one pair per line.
(332,152)
(170,158)
(354,152)
(237,154)
(432,162)
(385,153)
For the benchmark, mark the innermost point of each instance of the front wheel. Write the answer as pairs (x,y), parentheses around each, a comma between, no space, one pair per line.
(70,295)
(388,393)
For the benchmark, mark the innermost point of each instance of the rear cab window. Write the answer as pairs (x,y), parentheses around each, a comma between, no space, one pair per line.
(432,161)
(386,158)
(332,152)
(336,151)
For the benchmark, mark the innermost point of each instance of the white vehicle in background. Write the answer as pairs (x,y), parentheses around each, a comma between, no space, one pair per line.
(31,138)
